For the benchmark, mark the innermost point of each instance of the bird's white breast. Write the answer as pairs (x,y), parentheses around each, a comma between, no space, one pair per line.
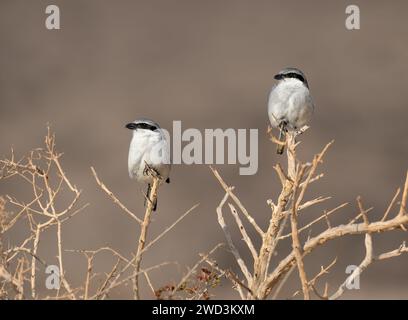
(290,101)
(148,147)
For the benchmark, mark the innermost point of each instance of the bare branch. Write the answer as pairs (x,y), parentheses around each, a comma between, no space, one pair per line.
(297,247)
(402,210)
(387,212)
(323,216)
(237,201)
(114,198)
(143,234)
(162,234)
(194,268)
(230,243)
(241,228)
(357,271)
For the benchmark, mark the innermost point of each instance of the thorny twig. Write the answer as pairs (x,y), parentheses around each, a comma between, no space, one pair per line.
(295,181)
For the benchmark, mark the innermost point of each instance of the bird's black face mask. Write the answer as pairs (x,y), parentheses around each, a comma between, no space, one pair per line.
(140,125)
(291,75)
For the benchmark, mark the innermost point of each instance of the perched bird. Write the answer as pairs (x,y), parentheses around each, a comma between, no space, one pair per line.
(149,150)
(290,105)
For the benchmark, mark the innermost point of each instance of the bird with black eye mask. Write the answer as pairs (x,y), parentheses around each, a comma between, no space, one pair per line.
(148,147)
(290,104)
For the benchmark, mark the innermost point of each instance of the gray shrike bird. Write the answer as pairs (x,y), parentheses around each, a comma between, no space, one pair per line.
(149,146)
(290,105)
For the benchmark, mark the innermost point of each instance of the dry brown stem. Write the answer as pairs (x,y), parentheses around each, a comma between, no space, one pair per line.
(295,181)
(42,172)
(143,233)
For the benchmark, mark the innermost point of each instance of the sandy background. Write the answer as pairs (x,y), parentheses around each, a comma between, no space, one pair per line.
(209,64)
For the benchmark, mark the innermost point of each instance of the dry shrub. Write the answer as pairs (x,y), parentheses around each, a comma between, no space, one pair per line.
(42,172)
(262,282)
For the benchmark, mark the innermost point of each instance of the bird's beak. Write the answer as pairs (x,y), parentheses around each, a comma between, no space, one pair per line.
(131,126)
(278,77)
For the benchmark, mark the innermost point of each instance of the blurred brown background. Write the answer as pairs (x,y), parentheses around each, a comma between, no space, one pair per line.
(209,64)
